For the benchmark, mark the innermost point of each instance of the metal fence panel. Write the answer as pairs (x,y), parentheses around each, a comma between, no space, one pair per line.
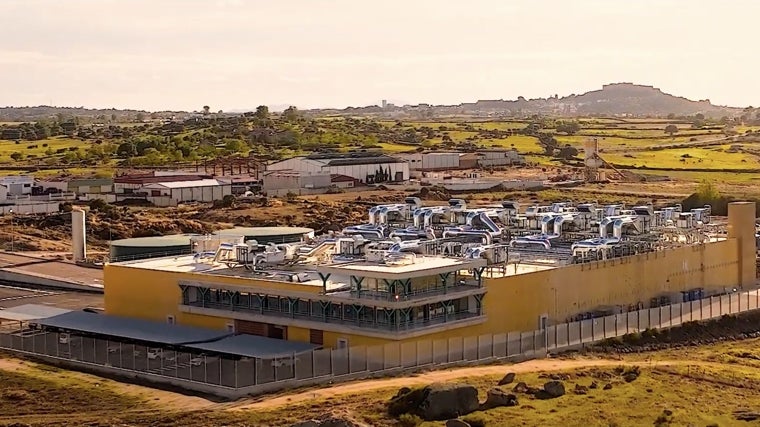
(539,342)
(424,352)
(357,359)
(375,358)
(392,355)
(440,351)
(665,320)
(409,354)
(621,324)
(725,304)
(513,344)
(527,346)
(598,328)
(340,361)
(752,300)
(632,322)
(654,318)
(470,348)
(185,367)
(245,377)
(228,372)
(574,333)
(214,369)
(587,331)
(562,335)
(456,349)
(264,371)
(500,345)
(734,303)
(608,327)
(551,337)
(485,346)
(322,362)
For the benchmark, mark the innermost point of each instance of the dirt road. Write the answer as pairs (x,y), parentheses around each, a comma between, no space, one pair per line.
(437,376)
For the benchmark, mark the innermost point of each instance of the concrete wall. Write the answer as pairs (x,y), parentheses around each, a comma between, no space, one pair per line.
(290,181)
(360,172)
(31,208)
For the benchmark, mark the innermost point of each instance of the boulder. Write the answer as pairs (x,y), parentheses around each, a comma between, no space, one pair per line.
(455,422)
(554,389)
(521,387)
(497,397)
(593,385)
(580,389)
(436,402)
(308,423)
(508,379)
(607,386)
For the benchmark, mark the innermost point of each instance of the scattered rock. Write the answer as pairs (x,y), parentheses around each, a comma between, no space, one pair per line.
(593,385)
(607,386)
(667,412)
(746,415)
(631,374)
(649,390)
(521,387)
(454,422)
(580,389)
(436,402)
(402,391)
(496,398)
(554,389)
(508,379)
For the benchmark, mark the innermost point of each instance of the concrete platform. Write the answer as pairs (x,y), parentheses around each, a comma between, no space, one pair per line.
(51,272)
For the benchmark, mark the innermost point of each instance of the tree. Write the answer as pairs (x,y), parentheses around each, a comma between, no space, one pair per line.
(568,152)
(671,130)
(569,128)
(262,112)
(206,110)
(234,145)
(291,114)
(140,117)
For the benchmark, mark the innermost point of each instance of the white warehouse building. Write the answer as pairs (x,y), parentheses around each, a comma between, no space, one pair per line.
(202,190)
(368,168)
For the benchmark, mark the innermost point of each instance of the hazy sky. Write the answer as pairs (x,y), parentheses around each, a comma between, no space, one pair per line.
(237,54)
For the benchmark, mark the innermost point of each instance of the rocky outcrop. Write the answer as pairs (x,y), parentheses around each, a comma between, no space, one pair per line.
(456,423)
(436,402)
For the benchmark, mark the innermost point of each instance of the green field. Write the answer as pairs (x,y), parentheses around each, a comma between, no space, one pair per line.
(686,158)
(56,143)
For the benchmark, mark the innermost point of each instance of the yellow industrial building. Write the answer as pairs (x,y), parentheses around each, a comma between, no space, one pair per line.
(364,302)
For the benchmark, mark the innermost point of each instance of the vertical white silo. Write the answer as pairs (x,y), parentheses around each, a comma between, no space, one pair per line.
(78,235)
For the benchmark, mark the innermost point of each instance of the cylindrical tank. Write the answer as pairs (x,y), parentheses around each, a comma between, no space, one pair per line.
(265,235)
(78,235)
(150,247)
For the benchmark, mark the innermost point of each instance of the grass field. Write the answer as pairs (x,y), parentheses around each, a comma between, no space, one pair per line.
(56,143)
(683,158)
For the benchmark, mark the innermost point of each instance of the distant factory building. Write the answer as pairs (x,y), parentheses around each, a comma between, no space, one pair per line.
(367,168)
(281,182)
(436,161)
(128,184)
(17,185)
(204,190)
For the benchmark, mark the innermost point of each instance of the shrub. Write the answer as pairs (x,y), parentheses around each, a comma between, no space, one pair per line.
(409,420)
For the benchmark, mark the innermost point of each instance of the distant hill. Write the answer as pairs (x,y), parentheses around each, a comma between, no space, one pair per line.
(617,99)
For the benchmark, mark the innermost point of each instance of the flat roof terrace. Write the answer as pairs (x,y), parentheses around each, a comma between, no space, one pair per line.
(421,266)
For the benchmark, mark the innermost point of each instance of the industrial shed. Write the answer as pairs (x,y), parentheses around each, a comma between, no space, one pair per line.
(368,168)
(202,190)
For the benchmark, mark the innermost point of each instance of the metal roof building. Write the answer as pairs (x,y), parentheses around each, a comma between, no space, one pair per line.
(265,235)
(368,168)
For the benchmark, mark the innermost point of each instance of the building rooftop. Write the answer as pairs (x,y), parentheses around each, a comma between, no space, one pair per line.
(262,231)
(151,178)
(27,312)
(254,346)
(185,184)
(130,328)
(421,267)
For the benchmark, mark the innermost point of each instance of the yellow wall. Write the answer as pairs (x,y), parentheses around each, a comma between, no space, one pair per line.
(155,294)
(515,303)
